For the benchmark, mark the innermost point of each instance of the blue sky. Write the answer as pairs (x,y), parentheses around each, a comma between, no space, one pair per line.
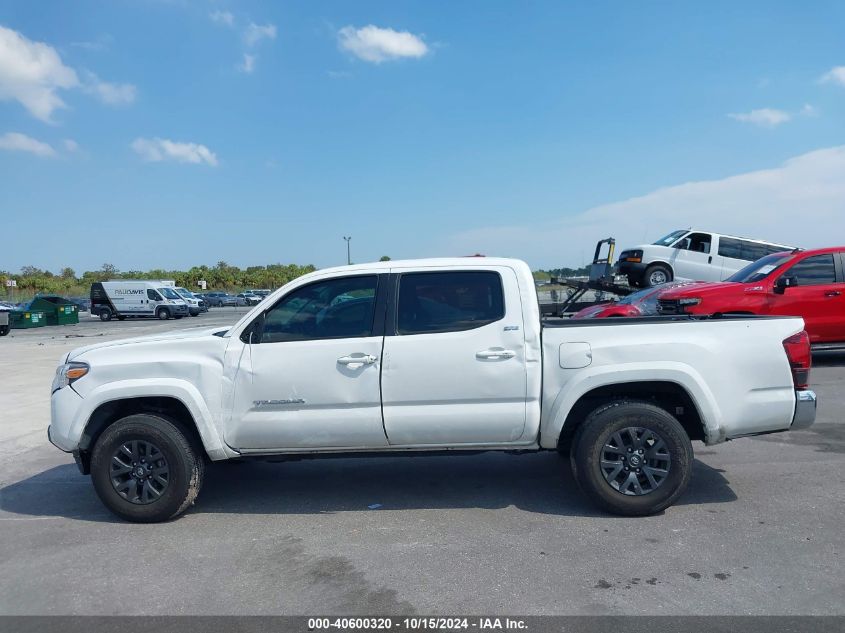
(140,133)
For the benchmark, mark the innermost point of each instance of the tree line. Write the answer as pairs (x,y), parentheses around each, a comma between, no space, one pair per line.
(31,280)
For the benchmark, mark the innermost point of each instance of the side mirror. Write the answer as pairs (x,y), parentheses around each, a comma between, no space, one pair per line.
(787,281)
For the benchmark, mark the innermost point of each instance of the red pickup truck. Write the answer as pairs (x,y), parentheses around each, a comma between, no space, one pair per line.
(809,284)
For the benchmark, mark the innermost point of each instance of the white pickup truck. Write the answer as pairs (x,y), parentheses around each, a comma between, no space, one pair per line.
(426,355)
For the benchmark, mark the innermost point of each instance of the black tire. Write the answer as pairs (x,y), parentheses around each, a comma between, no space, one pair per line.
(184,463)
(4,330)
(656,275)
(178,316)
(121,318)
(591,449)
(163,314)
(195,314)
(105,314)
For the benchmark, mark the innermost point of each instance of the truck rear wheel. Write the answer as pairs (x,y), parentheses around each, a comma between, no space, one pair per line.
(105,314)
(632,458)
(145,470)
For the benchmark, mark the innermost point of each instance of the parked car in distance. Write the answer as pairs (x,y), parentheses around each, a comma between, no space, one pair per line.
(809,284)
(691,255)
(249,299)
(640,303)
(196,304)
(214,299)
(5,326)
(232,300)
(426,355)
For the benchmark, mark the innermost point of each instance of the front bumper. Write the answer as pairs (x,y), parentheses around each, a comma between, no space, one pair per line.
(805,410)
(633,270)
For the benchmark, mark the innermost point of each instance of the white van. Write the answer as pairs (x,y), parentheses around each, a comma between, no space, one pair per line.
(692,255)
(128,298)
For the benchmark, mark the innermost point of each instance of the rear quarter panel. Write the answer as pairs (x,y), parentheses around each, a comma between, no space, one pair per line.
(735,370)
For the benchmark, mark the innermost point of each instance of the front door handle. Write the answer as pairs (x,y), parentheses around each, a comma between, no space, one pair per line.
(832,293)
(494,353)
(354,361)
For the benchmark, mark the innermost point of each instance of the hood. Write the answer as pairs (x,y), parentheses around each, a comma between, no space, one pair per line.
(179,335)
(605,310)
(704,289)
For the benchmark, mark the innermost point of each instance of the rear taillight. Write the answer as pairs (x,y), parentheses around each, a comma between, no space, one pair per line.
(797,349)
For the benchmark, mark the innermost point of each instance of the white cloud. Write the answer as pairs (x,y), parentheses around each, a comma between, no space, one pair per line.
(103,42)
(70,145)
(800,202)
(376,45)
(248,64)
(809,110)
(764,117)
(223,17)
(17,142)
(254,33)
(161,149)
(835,75)
(109,93)
(32,73)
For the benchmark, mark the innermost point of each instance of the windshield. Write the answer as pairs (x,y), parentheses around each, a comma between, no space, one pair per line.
(184,292)
(670,239)
(169,293)
(640,294)
(760,269)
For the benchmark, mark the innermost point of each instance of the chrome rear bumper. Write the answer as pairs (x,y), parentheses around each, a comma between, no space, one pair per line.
(805,409)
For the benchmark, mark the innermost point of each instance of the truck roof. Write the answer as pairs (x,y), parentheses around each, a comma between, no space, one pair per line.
(466,262)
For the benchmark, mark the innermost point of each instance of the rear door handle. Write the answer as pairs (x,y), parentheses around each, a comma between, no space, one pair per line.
(489,354)
(354,361)
(832,293)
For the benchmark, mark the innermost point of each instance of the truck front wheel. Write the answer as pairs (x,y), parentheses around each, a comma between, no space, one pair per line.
(632,458)
(145,470)
(163,314)
(656,275)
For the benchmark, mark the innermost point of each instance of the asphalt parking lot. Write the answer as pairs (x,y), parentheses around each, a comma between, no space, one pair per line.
(760,530)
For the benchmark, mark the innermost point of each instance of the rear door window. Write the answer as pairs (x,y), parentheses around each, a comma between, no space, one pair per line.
(730,247)
(448,301)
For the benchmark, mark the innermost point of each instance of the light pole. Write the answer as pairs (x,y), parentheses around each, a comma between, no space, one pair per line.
(348,256)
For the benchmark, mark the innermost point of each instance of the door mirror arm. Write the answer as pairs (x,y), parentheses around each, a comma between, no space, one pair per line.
(782,283)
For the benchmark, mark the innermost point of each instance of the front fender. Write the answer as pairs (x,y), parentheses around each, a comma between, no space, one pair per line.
(591,378)
(181,390)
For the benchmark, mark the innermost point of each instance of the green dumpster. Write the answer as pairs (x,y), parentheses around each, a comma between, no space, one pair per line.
(4,322)
(59,310)
(24,319)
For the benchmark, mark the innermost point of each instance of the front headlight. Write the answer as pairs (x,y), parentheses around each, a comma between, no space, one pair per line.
(67,374)
(635,257)
(689,301)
